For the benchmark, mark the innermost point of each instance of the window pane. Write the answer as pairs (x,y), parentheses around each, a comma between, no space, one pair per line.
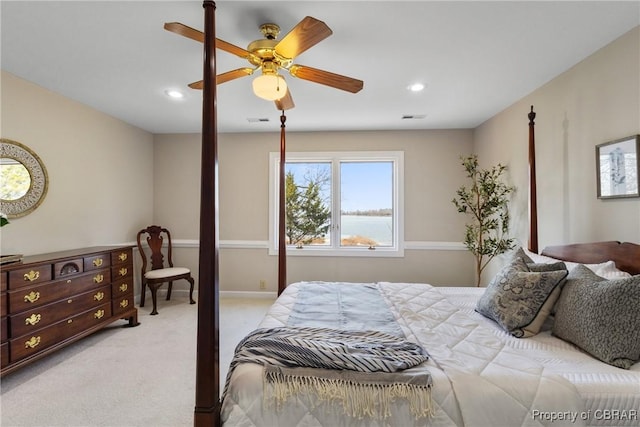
(308,203)
(366,203)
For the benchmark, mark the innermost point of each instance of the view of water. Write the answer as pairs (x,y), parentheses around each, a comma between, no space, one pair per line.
(378,228)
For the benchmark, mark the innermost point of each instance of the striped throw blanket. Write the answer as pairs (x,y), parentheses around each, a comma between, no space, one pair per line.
(361,370)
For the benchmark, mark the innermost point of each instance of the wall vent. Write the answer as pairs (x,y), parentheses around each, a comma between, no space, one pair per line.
(257,120)
(414,116)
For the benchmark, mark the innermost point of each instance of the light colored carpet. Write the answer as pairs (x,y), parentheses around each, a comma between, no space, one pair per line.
(143,376)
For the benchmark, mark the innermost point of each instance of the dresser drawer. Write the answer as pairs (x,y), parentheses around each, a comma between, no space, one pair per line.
(121,271)
(96,262)
(3,281)
(27,299)
(28,276)
(124,256)
(40,317)
(4,354)
(122,287)
(4,329)
(29,344)
(122,304)
(4,310)
(67,268)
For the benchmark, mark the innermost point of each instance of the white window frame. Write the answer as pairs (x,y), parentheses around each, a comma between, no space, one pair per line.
(396,157)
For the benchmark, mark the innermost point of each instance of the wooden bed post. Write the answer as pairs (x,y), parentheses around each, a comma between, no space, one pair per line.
(207,407)
(282,244)
(533,198)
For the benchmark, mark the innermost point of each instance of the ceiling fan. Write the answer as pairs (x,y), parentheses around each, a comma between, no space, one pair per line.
(270,56)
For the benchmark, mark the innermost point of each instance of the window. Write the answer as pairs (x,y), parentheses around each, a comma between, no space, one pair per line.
(339,203)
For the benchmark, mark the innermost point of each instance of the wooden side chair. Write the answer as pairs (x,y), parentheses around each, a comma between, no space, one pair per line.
(154,271)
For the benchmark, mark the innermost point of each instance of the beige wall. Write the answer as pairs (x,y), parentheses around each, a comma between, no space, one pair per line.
(430,217)
(596,101)
(100,172)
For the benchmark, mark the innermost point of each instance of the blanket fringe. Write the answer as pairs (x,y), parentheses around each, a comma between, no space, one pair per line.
(359,400)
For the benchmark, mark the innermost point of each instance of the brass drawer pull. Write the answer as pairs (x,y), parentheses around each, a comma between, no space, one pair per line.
(98,278)
(32,343)
(99,296)
(123,271)
(124,303)
(97,262)
(123,287)
(99,314)
(31,276)
(32,297)
(123,256)
(33,319)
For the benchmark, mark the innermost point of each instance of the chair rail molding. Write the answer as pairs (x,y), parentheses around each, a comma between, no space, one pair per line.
(264,244)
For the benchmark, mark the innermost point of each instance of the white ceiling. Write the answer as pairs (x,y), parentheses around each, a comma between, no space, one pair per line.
(476,58)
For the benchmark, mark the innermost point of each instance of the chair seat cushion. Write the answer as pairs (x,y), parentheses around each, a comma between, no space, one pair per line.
(162,273)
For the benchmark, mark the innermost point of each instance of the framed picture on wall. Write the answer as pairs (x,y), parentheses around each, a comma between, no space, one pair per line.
(617,167)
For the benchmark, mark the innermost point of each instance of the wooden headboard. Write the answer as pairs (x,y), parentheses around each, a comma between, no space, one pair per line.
(625,255)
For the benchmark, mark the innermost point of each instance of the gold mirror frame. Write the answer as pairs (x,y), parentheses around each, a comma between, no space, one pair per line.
(39,179)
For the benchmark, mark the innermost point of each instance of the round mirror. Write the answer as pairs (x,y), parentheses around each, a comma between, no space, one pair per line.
(23,179)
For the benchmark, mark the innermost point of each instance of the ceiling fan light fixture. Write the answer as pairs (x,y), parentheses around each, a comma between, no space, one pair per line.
(270,86)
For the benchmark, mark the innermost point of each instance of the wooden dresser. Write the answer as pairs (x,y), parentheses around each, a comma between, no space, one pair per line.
(51,300)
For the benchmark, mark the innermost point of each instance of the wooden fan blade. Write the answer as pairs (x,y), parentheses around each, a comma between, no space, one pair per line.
(224,77)
(286,102)
(306,34)
(232,75)
(233,49)
(184,30)
(197,35)
(326,78)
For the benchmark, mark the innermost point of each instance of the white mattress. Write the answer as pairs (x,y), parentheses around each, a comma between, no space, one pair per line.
(482,376)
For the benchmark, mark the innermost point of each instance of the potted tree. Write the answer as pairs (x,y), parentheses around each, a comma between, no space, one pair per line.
(486,200)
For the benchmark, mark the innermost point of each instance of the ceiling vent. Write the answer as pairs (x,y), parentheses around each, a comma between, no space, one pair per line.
(414,116)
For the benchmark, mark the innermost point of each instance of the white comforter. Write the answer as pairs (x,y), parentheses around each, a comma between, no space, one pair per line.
(478,379)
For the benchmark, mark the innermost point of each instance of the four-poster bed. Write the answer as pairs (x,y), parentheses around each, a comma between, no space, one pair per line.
(469,356)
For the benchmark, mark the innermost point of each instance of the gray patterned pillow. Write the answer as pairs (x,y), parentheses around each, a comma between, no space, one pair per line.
(520,253)
(533,266)
(549,307)
(519,299)
(601,316)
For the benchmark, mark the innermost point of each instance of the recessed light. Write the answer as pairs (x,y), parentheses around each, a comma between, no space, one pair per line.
(174,94)
(416,87)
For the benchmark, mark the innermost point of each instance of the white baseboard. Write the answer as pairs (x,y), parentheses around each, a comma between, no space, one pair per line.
(248,294)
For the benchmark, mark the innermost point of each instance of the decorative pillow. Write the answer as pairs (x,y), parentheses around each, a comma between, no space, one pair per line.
(528,257)
(601,316)
(519,299)
(607,269)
